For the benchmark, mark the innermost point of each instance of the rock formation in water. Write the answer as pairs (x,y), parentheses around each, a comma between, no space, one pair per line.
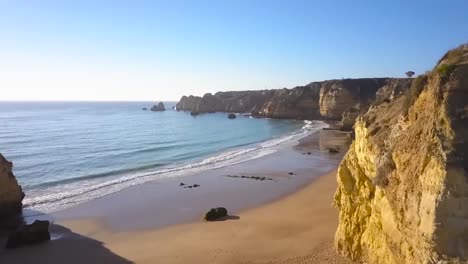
(11,194)
(158,108)
(403,185)
(317,100)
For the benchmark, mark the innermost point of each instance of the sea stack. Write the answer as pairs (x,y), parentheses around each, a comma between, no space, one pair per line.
(11,194)
(403,185)
(158,108)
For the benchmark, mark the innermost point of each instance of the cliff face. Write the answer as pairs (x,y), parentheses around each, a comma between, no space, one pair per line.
(338,95)
(11,194)
(403,185)
(317,100)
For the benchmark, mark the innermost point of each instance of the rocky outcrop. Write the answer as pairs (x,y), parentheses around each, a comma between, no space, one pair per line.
(158,108)
(337,96)
(11,194)
(403,185)
(391,89)
(349,117)
(317,100)
(34,233)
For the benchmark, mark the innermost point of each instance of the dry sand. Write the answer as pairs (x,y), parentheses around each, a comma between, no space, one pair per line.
(296,229)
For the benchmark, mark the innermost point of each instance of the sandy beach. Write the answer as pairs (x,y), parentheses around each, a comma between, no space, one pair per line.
(289,219)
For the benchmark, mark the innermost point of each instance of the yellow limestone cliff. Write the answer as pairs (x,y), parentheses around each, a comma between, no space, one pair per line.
(403,185)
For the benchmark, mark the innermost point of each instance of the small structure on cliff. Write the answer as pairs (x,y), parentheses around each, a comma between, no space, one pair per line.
(159,107)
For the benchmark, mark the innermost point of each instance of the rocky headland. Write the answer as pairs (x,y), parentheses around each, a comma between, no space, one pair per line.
(11,194)
(403,185)
(318,100)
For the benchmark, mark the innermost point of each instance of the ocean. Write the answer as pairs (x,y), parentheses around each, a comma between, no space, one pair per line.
(66,153)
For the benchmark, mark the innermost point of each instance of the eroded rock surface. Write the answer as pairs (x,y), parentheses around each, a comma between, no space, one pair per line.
(11,194)
(403,185)
(317,100)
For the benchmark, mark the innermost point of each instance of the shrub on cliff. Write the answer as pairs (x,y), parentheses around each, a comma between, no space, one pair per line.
(444,70)
(415,90)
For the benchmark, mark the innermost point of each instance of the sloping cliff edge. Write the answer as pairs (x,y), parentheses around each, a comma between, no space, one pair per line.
(11,194)
(317,100)
(403,185)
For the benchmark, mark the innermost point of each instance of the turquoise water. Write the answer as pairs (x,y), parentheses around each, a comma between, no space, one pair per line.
(68,152)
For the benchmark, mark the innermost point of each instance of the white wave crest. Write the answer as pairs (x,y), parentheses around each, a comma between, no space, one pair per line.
(53,198)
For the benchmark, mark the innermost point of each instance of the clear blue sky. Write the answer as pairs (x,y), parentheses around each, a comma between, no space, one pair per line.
(161,50)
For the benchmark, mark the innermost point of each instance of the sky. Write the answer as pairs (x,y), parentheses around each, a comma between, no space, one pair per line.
(160,50)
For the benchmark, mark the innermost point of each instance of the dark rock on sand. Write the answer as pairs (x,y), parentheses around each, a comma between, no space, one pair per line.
(232,116)
(34,233)
(291,173)
(257,178)
(216,213)
(158,108)
(334,150)
(181,184)
(196,185)
(144,108)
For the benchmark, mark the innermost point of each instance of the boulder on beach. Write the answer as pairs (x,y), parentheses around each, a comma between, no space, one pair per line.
(216,213)
(232,116)
(158,108)
(34,233)
(334,150)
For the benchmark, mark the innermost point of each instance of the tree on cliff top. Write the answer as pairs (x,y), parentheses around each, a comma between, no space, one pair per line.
(409,74)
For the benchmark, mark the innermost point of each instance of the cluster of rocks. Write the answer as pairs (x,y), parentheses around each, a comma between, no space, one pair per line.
(257,178)
(11,197)
(189,186)
(158,108)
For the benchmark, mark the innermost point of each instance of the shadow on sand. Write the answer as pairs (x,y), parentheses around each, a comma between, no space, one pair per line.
(65,247)
(226,218)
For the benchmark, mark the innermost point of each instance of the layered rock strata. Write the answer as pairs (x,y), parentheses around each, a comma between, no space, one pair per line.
(403,185)
(11,194)
(317,100)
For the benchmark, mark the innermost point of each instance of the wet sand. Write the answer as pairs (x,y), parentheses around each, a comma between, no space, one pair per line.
(161,222)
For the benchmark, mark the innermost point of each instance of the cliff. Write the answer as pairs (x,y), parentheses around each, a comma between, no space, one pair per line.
(403,185)
(317,100)
(11,194)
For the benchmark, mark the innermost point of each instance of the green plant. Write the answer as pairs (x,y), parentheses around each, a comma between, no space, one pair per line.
(417,85)
(445,69)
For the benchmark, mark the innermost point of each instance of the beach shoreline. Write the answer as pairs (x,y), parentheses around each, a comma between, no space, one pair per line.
(128,221)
